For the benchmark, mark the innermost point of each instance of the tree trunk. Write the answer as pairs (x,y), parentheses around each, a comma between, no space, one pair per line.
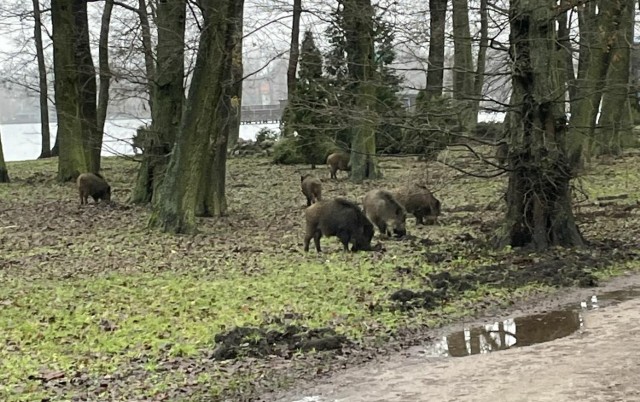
(482,57)
(595,48)
(539,212)
(168,99)
(566,58)
(358,17)
(45,150)
(4,173)
(105,71)
(614,126)
(435,69)
(463,74)
(201,146)
(212,200)
(147,47)
(294,50)
(55,151)
(75,88)
(237,71)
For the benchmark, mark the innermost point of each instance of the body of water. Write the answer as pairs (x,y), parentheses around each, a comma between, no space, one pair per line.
(23,141)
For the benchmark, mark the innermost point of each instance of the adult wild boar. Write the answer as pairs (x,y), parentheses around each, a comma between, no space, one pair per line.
(381,207)
(338,161)
(340,218)
(93,185)
(420,202)
(311,188)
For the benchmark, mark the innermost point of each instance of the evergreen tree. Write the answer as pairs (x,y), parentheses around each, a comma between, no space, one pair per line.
(342,90)
(308,109)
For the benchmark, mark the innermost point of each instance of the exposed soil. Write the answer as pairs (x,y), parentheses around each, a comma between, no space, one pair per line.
(381,303)
(596,363)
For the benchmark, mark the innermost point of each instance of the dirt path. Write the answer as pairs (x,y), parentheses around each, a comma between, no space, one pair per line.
(601,362)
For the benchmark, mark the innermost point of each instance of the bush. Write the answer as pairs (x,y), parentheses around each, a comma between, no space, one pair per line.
(266,134)
(287,152)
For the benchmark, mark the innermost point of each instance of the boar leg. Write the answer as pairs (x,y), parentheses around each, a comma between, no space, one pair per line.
(344,239)
(316,240)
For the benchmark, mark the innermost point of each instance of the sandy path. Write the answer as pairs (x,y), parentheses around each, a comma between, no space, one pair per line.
(602,363)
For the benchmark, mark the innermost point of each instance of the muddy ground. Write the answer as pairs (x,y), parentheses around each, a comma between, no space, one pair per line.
(93,306)
(598,362)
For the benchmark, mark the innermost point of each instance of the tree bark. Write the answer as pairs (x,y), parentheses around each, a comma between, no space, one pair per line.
(482,58)
(200,149)
(435,68)
(168,99)
(358,16)
(294,50)
(75,88)
(237,71)
(4,173)
(212,200)
(539,212)
(45,150)
(614,125)
(566,51)
(105,71)
(147,47)
(463,73)
(595,48)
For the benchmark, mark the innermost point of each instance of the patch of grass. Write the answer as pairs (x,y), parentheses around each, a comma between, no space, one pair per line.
(90,292)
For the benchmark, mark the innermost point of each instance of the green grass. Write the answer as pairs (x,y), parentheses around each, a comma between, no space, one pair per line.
(89,291)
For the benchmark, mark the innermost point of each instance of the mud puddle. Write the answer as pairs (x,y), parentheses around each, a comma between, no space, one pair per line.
(513,332)
(522,331)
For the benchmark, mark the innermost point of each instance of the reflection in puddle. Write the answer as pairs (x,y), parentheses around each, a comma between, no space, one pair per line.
(522,331)
(514,332)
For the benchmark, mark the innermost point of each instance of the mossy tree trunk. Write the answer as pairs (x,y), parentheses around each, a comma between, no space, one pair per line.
(358,17)
(463,72)
(4,173)
(598,20)
(435,68)
(105,73)
(75,89)
(167,99)
(237,71)
(212,200)
(45,150)
(200,148)
(539,212)
(614,126)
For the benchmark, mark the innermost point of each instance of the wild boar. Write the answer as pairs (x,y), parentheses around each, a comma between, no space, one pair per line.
(420,202)
(338,161)
(341,218)
(385,212)
(94,185)
(311,188)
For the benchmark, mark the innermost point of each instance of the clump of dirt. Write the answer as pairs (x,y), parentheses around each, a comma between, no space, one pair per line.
(556,271)
(258,342)
(406,299)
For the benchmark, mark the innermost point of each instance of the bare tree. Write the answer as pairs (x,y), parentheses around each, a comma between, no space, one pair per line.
(168,99)
(45,149)
(539,212)
(105,71)
(200,149)
(435,71)
(358,16)
(75,89)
